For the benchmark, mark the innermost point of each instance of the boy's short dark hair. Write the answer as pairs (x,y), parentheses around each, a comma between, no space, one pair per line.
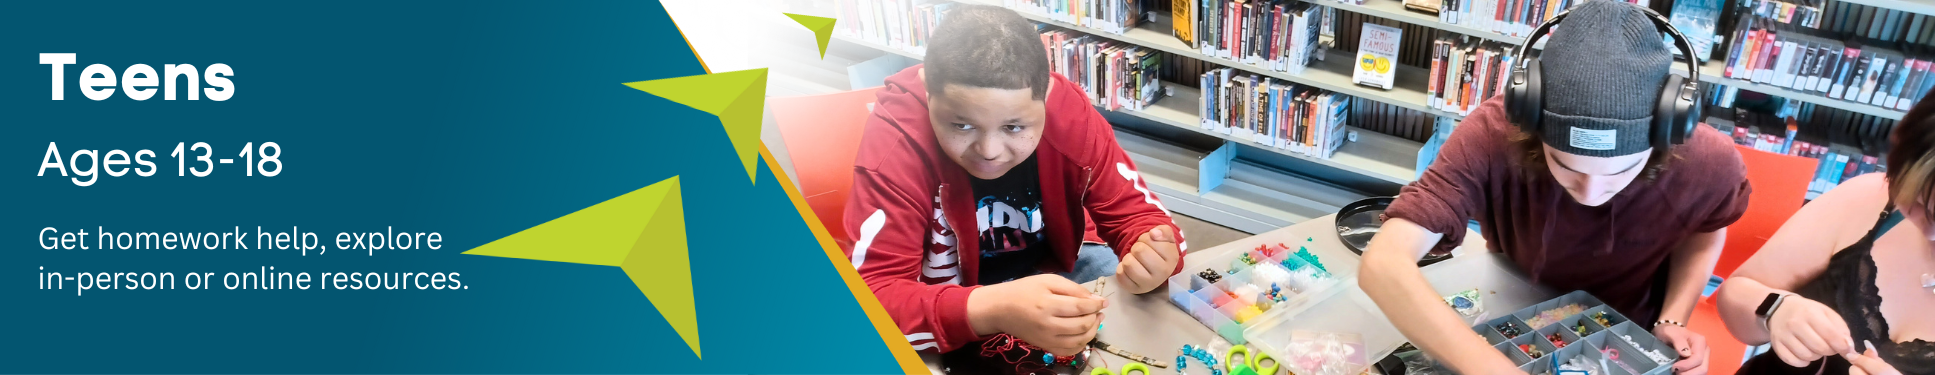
(986,46)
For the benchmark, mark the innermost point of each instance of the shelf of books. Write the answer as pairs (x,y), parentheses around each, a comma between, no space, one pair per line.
(1252,199)
(1383,157)
(1807,97)
(1395,10)
(1836,159)
(1332,73)
(1900,25)
(1910,6)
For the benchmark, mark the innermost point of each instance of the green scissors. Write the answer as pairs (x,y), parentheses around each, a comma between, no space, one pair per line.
(1132,366)
(1249,365)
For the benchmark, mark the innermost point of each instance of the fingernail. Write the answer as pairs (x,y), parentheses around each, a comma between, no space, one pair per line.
(1871,345)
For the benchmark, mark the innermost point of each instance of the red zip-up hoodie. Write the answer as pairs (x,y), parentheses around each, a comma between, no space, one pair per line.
(906,191)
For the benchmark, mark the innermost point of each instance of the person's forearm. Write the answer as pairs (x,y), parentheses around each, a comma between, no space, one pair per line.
(1737,300)
(1692,267)
(985,310)
(1401,291)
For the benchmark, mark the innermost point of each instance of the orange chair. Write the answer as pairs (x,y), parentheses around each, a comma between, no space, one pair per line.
(1780,186)
(822,136)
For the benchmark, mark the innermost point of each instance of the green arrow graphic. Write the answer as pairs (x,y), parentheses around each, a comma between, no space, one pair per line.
(822,28)
(737,97)
(641,232)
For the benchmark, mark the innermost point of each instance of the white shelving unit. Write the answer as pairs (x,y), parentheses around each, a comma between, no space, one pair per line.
(1253,199)
(1333,74)
(1394,10)
(1710,72)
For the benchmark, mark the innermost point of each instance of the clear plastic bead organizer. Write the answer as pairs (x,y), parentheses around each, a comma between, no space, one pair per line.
(1251,287)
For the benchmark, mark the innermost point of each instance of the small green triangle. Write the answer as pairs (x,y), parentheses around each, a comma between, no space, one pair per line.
(822,28)
(737,97)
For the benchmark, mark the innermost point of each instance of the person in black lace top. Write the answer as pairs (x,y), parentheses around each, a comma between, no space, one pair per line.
(1841,287)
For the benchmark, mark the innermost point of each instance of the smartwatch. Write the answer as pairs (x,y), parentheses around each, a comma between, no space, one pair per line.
(1767,308)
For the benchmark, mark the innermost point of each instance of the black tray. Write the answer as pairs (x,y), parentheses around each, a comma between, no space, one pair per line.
(1358,221)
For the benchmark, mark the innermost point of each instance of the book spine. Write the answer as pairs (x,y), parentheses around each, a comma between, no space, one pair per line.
(1800,71)
(1876,66)
(1783,65)
(1928,81)
(1918,71)
(1846,68)
(1902,76)
(1850,169)
(1437,66)
(1857,77)
(1465,82)
(1829,69)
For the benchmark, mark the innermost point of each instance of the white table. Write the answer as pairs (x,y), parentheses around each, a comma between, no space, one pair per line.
(1150,325)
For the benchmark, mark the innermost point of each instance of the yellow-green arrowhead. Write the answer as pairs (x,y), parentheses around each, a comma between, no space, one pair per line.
(822,28)
(641,232)
(737,97)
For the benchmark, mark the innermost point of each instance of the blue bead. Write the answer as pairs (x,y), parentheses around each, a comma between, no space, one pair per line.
(1050,358)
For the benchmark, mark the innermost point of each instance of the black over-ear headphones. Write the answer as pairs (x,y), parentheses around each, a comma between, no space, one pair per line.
(1674,116)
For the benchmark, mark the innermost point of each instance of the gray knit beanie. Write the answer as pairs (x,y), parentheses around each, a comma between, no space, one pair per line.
(1602,71)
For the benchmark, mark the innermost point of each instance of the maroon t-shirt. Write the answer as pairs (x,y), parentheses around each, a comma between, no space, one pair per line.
(1617,251)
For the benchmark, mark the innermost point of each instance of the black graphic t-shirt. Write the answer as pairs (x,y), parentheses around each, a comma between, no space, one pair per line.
(1007,215)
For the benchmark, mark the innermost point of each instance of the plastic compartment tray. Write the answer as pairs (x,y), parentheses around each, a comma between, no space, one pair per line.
(1233,303)
(1598,342)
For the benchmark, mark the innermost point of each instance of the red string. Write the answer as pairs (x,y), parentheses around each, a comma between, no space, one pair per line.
(1026,358)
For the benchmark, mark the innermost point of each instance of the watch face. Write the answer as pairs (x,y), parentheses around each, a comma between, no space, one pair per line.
(1767,304)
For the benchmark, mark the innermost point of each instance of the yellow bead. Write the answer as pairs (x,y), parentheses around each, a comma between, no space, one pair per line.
(1246,313)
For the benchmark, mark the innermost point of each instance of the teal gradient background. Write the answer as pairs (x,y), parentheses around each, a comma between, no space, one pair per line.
(475,120)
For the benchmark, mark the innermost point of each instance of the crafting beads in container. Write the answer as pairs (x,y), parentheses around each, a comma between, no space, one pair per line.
(1258,285)
(1576,332)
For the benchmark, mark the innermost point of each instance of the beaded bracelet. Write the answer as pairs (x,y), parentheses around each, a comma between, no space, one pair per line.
(1198,353)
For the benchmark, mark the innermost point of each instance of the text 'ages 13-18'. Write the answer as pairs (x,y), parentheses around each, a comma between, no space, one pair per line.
(85,166)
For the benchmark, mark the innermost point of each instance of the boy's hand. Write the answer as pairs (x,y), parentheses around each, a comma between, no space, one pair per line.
(1149,261)
(1692,348)
(1045,310)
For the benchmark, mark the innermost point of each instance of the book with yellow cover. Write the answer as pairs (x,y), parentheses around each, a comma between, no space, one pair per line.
(1183,20)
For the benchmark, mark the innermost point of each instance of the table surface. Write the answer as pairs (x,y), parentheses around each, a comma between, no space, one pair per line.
(1150,325)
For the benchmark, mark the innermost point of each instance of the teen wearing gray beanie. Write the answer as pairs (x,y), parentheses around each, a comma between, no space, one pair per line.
(1586,204)
(1605,77)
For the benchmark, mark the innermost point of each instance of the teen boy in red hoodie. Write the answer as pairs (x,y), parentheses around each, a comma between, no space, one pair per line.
(971,185)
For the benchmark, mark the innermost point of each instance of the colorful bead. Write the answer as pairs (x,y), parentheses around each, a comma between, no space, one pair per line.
(1509,330)
(1048,358)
